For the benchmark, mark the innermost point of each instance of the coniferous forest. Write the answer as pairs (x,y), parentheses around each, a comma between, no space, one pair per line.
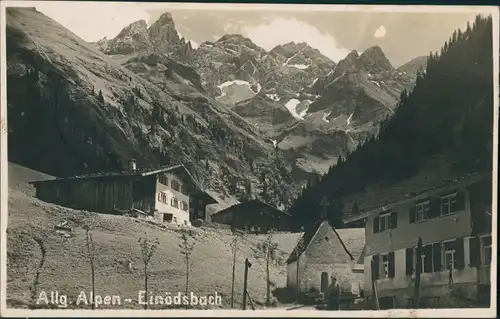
(449,111)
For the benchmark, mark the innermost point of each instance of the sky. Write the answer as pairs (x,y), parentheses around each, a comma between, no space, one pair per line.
(401,35)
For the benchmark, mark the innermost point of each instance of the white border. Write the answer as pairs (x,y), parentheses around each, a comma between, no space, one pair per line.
(458,313)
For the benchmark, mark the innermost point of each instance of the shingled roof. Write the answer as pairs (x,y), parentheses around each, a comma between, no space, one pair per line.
(353,246)
(132,173)
(252,202)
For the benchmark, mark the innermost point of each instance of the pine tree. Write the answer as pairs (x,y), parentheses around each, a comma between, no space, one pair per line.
(455,87)
(100,97)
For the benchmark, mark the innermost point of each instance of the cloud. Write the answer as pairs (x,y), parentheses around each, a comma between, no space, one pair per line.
(93,20)
(283,30)
(194,45)
(380,33)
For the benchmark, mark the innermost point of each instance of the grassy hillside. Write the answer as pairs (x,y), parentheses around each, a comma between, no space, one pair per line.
(66,269)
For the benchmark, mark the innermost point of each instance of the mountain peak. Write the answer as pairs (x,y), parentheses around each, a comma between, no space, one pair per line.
(373,59)
(237,39)
(166,18)
(163,33)
(136,27)
(233,36)
(353,55)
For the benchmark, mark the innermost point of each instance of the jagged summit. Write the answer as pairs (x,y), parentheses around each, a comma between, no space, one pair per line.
(136,27)
(165,18)
(373,59)
(237,39)
(161,37)
(352,55)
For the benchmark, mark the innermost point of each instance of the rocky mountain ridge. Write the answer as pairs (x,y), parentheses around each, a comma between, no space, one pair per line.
(87,113)
(347,99)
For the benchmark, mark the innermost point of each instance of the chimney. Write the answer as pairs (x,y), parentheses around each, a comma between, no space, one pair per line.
(133,165)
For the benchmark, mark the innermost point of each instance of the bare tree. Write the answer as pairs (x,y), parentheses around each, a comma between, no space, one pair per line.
(91,257)
(187,247)
(148,248)
(268,250)
(237,236)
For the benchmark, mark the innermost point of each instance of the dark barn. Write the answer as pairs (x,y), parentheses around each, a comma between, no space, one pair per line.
(254,215)
(118,193)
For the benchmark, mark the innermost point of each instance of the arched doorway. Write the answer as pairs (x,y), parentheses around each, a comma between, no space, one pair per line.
(324,282)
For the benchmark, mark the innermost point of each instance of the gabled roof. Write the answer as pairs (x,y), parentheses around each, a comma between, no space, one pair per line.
(252,202)
(136,173)
(428,182)
(309,235)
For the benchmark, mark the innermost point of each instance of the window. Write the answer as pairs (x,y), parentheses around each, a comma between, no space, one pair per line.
(163,179)
(430,260)
(384,265)
(162,197)
(422,211)
(448,204)
(384,259)
(184,189)
(385,221)
(184,206)
(486,245)
(175,185)
(167,218)
(174,202)
(449,255)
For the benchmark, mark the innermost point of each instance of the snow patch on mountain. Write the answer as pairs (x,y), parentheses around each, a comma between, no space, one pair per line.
(259,87)
(235,82)
(237,90)
(324,118)
(291,105)
(273,97)
(299,66)
(348,121)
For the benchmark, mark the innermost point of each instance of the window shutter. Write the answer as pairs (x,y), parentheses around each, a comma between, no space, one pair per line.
(435,207)
(394,220)
(475,252)
(376,225)
(413,212)
(459,204)
(427,251)
(375,266)
(392,265)
(409,261)
(459,251)
(436,256)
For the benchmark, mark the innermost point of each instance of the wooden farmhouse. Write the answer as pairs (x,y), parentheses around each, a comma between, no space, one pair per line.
(167,194)
(254,215)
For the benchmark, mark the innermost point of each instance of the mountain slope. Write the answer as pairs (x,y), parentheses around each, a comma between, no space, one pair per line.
(444,123)
(87,113)
(363,88)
